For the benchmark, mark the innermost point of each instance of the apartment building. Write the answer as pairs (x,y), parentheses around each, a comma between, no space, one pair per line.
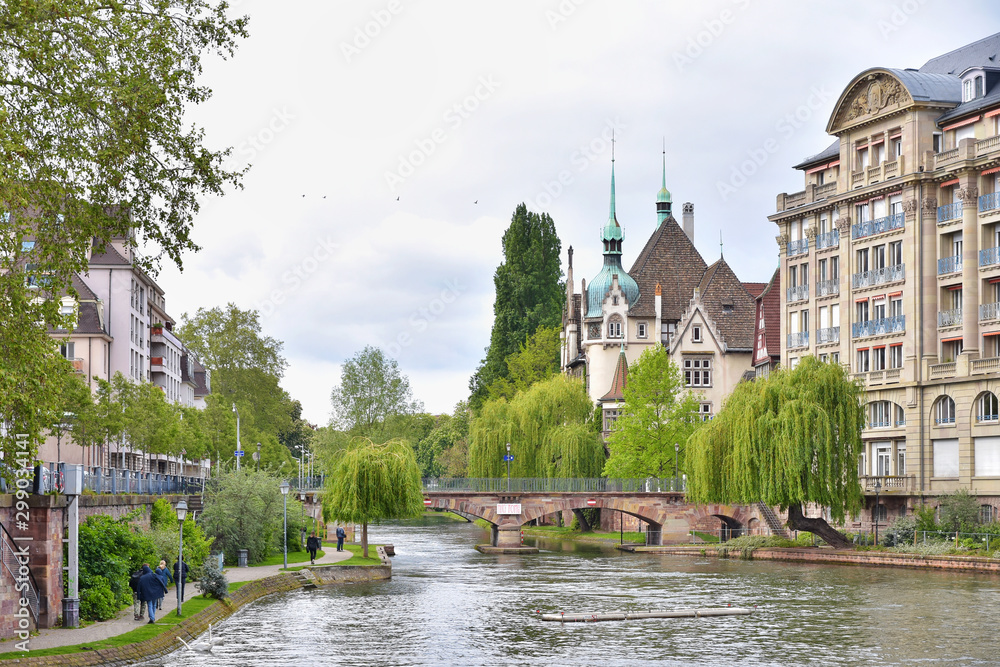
(890,264)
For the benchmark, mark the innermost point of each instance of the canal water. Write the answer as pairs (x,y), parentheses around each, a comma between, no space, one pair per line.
(447,604)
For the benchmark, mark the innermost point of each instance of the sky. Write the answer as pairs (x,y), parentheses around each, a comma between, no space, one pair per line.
(389,143)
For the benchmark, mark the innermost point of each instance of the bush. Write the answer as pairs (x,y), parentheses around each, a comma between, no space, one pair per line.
(900,531)
(162,515)
(165,544)
(109,551)
(959,511)
(926,522)
(211,581)
(97,602)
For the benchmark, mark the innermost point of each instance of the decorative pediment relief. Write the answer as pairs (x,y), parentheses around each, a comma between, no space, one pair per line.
(869,97)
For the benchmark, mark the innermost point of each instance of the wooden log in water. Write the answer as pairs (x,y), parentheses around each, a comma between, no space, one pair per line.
(636,615)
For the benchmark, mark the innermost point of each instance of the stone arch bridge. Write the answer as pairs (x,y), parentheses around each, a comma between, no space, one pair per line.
(669,516)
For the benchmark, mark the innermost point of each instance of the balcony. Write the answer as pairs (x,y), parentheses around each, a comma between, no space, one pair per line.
(888,483)
(879,327)
(879,226)
(939,371)
(989,202)
(797,293)
(828,287)
(989,256)
(799,247)
(888,274)
(800,339)
(987,365)
(825,190)
(828,335)
(155,361)
(857,178)
(77,364)
(944,157)
(829,239)
(949,264)
(891,169)
(988,145)
(989,311)
(948,212)
(949,318)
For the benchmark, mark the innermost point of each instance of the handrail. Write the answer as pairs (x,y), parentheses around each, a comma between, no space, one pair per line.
(12,565)
(556,485)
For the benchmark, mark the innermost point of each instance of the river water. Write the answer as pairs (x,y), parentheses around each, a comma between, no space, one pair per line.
(447,604)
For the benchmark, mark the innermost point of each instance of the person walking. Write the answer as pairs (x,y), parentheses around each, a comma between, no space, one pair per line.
(151,589)
(133,582)
(340,538)
(164,574)
(312,546)
(180,575)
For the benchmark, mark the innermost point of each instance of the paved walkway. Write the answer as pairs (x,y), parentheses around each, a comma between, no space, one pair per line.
(124,622)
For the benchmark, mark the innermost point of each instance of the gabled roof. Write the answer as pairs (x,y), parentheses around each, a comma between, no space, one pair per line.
(984,52)
(83,291)
(107,256)
(729,304)
(668,258)
(618,381)
(771,299)
(755,289)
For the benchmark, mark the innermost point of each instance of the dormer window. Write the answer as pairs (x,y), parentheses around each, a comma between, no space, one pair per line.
(967,90)
(973,88)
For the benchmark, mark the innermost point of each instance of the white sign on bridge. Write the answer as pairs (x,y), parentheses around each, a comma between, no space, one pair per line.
(508,508)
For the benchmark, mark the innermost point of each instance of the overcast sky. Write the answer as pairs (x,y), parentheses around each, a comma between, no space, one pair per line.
(374,128)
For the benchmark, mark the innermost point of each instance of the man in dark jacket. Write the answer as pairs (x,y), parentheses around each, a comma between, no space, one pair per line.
(312,545)
(341,534)
(180,575)
(151,589)
(133,582)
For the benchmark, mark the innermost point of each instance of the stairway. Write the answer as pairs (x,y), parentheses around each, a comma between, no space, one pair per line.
(772,520)
(195,503)
(305,577)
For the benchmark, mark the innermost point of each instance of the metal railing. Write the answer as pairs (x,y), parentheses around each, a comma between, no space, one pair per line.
(11,565)
(49,478)
(797,293)
(828,335)
(829,287)
(989,311)
(800,339)
(878,226)
(554,485)
(949,264)
(886,274)
(989,256)
(949,211)
(799,247)
(949,318)
(884,325)
(989,202)
(830,239)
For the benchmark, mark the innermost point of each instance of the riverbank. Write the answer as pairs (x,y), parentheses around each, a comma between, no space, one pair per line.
(191,628)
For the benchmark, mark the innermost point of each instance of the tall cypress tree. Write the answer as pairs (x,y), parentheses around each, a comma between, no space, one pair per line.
(529,294)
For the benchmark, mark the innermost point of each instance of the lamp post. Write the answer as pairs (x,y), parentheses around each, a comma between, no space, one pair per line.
(258,457)
(507,458)
(182,508)
(284,494)
(677,454)
(237,436)
(302,499)
(878,487)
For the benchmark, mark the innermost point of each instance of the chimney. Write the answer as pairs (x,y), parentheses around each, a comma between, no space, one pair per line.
(688,218)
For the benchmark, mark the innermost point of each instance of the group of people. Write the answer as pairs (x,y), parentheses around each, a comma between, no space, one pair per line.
(314,543)
(149,587)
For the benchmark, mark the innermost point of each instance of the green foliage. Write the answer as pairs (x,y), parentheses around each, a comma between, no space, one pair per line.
(926,520)
(536,360)
(97,602)
(529,294)
(110,550)
(547,429)
(211,581)
(372,482)
(443,451)
(162,515)
(244,510)
(371,392)
(657,415)
(959,511)
(743,547)
(165,540)
(900,531)
(792,438)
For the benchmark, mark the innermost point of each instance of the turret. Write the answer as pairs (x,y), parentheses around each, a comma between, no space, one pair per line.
(663,201)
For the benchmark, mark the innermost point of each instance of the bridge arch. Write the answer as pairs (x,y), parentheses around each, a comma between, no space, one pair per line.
(652,516)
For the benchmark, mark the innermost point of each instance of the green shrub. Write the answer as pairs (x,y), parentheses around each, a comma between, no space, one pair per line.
(900,531)
(109,551)
(211,581)
(959,511)
(196,545)
(746,545)
(162,515)
(97,602)
(925,519)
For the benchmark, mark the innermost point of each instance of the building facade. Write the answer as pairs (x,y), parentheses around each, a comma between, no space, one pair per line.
(891,262)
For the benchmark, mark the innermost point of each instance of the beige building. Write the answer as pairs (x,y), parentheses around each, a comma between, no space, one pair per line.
(890,259)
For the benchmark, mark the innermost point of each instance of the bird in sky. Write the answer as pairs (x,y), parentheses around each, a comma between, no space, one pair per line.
(476,202)
(397,198)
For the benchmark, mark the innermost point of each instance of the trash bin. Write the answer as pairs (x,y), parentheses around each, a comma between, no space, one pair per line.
(243,556)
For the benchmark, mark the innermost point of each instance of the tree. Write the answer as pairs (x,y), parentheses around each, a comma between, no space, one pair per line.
(94,145)
(529,294)
(536,360)
(373,482)
(959,511)
(790,439)
(444,451)
(370,393)
(548,429)
(658,414)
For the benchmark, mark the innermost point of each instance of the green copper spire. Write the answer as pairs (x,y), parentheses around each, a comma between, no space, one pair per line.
(612,235)
(663,201)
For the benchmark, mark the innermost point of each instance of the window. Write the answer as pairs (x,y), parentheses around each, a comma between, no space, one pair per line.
(979,86)
(956,244)
(951,349)
(968,92)
(835,357)
(878,358)
(697,372)
(944,411)
(896,147)
(945,457)
(705,412)
(861,311)
(862,158)
(878,309)
(804,274)
(878,257)
(615,328)
(938,144)
(834,268)
(896,356)
(805,321)
(987,409)
(878,151)
(900,416)
(895,253)
(863,361)
(68,350)
(881,513)
(956,298)
(864,214)
(895,305)
(964,132)
(793,362)
(986,514)
(610,417)
(861,258)
(696,334)
(879,414)
(900,459)
(824,222)
(640,330)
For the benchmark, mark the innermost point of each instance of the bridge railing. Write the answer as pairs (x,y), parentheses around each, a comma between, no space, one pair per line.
(554,485)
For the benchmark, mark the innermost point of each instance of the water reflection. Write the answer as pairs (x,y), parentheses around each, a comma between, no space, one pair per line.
(447,604)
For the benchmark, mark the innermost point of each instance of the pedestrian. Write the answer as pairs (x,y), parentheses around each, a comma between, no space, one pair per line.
(180,575)
(340,538)
(133,582)
(151,589)
(312,545)
(164,574)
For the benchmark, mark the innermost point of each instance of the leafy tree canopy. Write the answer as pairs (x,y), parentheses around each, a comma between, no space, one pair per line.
(789,439)
(536,360)
(372,392)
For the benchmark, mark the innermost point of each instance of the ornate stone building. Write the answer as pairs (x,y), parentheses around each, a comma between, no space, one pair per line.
(670,296)
(891,264)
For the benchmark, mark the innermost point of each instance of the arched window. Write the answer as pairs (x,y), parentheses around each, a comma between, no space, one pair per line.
(882,513)
(986,514)
(944,411)
(900,416)
(987,407)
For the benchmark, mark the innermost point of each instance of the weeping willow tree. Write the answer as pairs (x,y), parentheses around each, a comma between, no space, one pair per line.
(787,440)
(546,426)
(372,482)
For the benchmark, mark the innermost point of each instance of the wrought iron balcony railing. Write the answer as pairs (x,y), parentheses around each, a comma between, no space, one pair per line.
(882,326)
(886,274)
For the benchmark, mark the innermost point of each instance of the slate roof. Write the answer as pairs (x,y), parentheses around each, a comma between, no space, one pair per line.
(929,86)
(829,153)
(88,321)
(983,52)
(729,304)
(107,256)
(670,259)
(992,98)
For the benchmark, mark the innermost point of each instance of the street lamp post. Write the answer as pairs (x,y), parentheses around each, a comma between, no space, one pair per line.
(878,487)
(284,494)
(237,436)
(302,499)
(182,508)
(507,458)
(677,454)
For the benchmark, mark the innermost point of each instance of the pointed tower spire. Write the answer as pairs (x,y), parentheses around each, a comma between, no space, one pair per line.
(663,202)
(612,235)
